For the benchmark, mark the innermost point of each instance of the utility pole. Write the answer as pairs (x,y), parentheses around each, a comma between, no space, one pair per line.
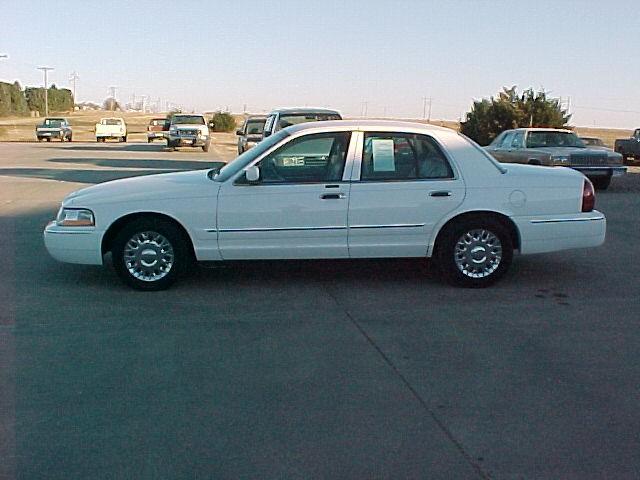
(73,77)
(429,117)
(46,89)
(424,107)
(112,91)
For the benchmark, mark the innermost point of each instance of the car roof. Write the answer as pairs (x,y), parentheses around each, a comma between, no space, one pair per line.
(367,124)
(539,129)
(304,110)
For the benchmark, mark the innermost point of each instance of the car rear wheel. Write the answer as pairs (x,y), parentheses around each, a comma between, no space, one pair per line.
(205,147)
(70,139)
(150,254)
(474,252)
(601,183)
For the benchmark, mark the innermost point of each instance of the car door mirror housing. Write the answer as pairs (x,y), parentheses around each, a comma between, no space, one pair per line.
(239,132)
(252,174)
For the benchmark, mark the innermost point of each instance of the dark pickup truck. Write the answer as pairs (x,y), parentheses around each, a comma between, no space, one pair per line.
(629,147)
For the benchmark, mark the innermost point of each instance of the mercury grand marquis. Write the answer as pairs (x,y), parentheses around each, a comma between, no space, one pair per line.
(338,189)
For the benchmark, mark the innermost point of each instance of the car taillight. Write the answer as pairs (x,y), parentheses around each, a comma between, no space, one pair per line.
(588,196)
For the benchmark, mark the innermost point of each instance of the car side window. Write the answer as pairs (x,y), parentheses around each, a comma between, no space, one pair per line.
(388,157)
(506,141)
(315,158)
(268,126)
(518,140)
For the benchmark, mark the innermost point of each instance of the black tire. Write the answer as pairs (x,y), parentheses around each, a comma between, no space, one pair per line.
(40,139)
(205,147)
(170,146)
(601,183)
(63,138)
(48,139)
(149,140)
(124,139)
(70,139)
(447,256)
(177,240)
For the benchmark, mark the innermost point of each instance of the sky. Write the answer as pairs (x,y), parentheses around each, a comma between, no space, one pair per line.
(382,58)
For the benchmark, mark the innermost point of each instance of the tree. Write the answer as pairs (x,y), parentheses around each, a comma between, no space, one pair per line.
(111,104)
(489,117)
(223,122)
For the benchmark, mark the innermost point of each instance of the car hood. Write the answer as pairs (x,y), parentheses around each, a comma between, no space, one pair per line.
(165,186)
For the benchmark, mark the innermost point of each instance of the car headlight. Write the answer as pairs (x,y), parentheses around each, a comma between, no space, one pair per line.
(173,130)
(559,159)
(75,217)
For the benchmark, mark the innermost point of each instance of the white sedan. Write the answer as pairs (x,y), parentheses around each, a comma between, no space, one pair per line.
(340,189)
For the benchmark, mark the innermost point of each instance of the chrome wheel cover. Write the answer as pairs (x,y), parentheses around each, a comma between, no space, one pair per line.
(148,256)
(478,253)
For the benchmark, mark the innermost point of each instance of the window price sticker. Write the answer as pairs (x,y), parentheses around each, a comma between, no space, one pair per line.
(383,157)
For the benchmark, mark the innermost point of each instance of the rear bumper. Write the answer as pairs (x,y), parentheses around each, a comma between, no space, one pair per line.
(601,171)
(552,233)
(111,135)
(49,134)
(82,246)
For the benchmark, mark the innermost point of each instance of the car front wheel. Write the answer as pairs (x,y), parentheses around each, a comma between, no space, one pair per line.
(150,254)
(601,183)
(474,253)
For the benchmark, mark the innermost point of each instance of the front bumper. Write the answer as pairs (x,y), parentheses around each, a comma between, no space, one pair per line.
(155,135)
(552,233)
(81,245)
(604,171)
(188,140)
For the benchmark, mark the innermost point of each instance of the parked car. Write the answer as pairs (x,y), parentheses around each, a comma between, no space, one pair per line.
(250,133)
(629,148)
(54,128)
(285,117)
(157,128)
(111,128)
(594,142)
(557,147)
(188,130)
(350,189)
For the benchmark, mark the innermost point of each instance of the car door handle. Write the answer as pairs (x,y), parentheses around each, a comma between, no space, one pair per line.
(332,196)
(440,193)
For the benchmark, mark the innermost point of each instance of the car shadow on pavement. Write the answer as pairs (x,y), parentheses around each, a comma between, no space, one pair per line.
(117,147)
(152,163)
(76,175)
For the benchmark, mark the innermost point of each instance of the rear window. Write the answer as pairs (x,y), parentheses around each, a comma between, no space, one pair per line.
(111,121)
(288,120)
(158,121)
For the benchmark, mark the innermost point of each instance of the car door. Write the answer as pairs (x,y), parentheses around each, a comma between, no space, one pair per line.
(298,207)
(403,185)
(502,152)
(517,152)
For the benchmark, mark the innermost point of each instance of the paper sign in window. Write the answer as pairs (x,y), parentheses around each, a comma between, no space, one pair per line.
(383,159)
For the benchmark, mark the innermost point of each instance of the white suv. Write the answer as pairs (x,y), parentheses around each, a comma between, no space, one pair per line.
(188,130)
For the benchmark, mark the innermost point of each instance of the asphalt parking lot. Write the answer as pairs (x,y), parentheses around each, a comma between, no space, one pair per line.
(368,369)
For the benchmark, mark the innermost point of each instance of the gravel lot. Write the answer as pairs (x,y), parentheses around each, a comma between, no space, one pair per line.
(368,369)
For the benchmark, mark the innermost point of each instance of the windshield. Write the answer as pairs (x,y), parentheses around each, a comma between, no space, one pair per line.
(552,138)
(255,127)
(233,167)
(592,141)
(111,121)
(288,120)
(188,120)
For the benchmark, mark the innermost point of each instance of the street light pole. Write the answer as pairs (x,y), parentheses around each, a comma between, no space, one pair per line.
(46,90)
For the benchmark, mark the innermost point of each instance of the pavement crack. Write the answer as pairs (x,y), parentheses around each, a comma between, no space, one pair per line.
(440,423)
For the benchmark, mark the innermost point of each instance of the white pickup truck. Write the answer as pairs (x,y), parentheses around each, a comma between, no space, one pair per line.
(111,128)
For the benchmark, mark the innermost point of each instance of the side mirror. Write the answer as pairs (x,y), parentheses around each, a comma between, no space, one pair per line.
(252,174)
(266,133)
(239,132)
